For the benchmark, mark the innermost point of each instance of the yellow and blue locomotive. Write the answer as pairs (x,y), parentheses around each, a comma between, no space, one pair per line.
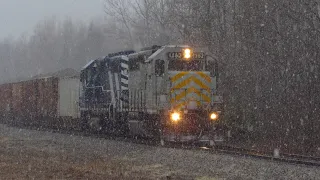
(168,92)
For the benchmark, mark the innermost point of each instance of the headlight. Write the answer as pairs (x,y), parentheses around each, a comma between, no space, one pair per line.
(187,53)
(214,116)
(175,116)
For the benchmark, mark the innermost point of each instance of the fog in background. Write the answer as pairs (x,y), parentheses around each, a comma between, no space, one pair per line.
(268,52)
(45,36)
(20,16)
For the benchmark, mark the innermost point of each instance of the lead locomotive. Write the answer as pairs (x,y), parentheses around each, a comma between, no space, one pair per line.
(168,92)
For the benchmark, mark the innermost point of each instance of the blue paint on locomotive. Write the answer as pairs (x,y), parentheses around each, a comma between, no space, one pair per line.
(97,90)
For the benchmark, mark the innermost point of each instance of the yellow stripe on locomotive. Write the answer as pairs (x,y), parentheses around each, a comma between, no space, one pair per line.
(190,87)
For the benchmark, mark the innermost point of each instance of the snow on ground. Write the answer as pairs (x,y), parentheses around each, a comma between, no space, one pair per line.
(27,154)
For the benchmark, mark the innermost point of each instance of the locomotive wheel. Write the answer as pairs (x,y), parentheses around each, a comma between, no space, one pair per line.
(123,125)
(161,135)
(161,129)
(211,143)
(94,124)
(162,142)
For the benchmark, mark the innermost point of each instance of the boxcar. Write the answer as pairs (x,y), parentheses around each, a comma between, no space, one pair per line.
(44,101)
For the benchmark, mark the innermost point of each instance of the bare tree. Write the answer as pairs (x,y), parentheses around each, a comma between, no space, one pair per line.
(120,11)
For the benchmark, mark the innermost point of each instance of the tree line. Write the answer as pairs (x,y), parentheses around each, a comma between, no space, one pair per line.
(54,44)
(267,50)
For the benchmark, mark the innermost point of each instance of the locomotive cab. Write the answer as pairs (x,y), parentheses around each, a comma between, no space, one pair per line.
(180,87)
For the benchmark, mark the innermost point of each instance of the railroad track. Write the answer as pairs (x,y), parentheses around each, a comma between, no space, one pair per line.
(284,157)
(223,149)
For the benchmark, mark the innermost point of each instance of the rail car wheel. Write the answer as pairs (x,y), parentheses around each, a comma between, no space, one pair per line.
(84,122)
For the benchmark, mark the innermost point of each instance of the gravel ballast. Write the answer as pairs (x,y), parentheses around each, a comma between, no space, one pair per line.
(30,154)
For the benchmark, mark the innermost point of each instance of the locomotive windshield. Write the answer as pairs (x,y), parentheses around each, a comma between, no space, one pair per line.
(183,65)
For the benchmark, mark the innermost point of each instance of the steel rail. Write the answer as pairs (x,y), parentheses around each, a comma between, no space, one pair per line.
(223,149)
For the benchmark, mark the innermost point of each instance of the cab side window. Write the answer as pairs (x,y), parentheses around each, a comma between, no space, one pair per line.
(159,67)
(212,66)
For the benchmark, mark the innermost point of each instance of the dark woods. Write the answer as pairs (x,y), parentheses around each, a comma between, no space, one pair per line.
(268,53)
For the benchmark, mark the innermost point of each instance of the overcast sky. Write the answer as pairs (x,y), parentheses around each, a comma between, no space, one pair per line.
(18,16)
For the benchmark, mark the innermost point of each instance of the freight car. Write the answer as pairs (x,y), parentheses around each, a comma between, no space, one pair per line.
(168,92)
(48,100)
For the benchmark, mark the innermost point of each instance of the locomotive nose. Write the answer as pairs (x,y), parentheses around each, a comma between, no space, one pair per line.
(190,90)
(192,104)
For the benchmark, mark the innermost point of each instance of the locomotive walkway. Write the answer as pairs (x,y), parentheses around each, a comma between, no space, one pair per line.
(28,154)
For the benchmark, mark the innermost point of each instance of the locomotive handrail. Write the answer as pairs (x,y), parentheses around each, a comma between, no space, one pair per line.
(136,100)
(95,87)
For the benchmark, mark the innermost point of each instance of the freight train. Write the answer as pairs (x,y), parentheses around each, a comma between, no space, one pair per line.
(166,92)
(44,101)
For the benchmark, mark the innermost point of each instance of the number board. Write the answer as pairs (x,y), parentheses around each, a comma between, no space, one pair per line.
(179,55)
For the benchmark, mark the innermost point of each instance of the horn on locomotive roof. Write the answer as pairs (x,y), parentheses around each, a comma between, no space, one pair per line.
(121,53)
(154,48)
(150,48)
